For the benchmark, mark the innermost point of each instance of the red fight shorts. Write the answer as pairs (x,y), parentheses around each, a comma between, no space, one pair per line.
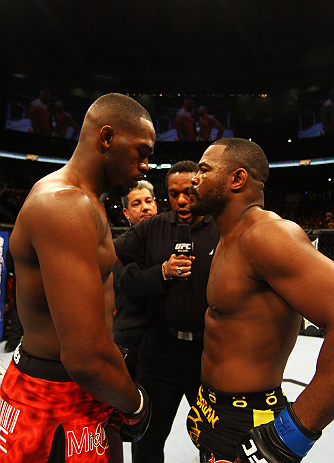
(49,421)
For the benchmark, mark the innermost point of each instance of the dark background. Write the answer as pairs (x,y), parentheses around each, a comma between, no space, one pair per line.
(243,49)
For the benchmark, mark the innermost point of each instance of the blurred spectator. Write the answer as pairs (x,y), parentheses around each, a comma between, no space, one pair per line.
(13,330)
(64,121)
(327,115)
(40,114)
(206,123)
(184,121)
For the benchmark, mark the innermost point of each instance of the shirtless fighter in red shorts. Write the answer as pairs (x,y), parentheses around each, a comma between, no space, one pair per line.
(68,375)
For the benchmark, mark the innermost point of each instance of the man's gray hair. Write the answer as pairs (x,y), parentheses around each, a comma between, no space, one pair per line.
(141,185)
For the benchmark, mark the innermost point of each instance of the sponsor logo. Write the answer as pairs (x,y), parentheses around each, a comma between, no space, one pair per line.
(193,431)
(8,419)
(187,247)
(17,355)
(206,409)
(250,453)
(88,441)
(208,412)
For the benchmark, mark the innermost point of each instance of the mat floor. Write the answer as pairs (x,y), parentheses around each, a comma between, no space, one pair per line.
(300,367)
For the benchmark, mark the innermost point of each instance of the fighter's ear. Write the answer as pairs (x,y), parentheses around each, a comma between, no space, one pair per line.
(240,176)
(106,135)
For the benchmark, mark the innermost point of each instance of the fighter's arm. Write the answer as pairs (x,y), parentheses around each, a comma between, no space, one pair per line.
(137,282)
(71,122)
(189,127)
(217,125)
(141,280)
(66,236)
(109,297)
(281,254)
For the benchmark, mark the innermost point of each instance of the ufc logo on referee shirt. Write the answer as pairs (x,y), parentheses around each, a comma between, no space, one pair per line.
(250,453)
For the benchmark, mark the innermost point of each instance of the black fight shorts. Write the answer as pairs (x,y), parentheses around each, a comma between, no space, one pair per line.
(217,419)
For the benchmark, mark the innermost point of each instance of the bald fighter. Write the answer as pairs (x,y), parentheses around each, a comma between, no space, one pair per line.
(265,276)
(68,375)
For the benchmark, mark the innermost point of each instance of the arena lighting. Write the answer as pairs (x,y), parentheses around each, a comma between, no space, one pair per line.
(32,157)
(35,157)
(302,162)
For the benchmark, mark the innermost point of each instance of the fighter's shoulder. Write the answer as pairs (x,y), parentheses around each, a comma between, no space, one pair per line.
(57,201)
(272,245)
(266,227)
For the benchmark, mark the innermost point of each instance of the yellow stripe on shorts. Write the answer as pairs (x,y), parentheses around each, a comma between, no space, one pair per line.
(262,416)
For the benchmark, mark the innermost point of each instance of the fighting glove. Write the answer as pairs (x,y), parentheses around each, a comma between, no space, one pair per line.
(134,425)
(284,440)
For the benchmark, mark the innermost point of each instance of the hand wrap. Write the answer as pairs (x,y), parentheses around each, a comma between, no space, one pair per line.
(283,440)
(134,425)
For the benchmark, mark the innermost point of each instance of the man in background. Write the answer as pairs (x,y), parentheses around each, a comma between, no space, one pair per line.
(13,328)
(206,123)
(169,359)
(40,114)
(264,277)
(184,121)
(64,121)
(132,319)
(327,115)
(139,202)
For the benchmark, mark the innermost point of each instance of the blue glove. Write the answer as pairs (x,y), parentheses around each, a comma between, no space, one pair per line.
(284,440)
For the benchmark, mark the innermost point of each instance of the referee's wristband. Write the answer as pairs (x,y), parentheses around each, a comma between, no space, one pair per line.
(164,276)
(293,433)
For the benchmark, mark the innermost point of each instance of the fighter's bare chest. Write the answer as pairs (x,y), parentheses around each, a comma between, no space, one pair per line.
(230,283)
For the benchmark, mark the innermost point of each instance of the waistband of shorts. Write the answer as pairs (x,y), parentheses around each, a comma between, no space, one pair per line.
(255,400)
(51,370)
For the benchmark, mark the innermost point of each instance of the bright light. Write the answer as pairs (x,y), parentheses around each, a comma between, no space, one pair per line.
(293,163)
